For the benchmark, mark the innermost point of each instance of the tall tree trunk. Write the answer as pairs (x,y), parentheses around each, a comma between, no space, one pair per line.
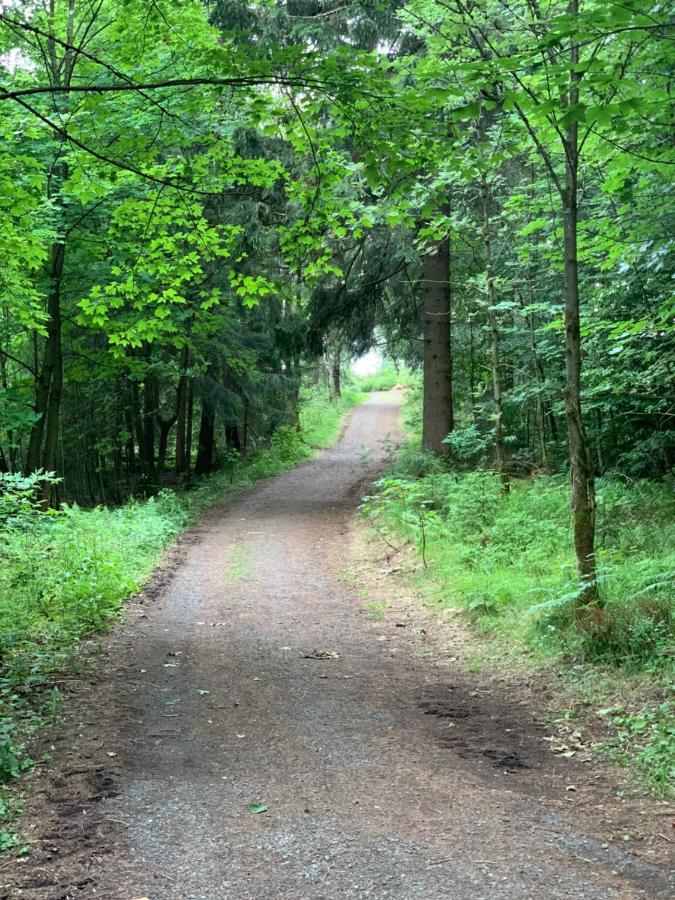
(541,398)
(245,425)
(232,438)
(137,421)
(51,361)
(335,375)
(10,459)
(189,425)
(581,467)
(294,399)
(206,440)
(328,370)
(53,419)
(165,426)
(472,370)
(500,456)
(436,310)
(50,378)
(150,404)
(181,414)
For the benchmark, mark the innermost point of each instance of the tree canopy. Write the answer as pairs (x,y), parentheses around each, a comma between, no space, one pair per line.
(204,200)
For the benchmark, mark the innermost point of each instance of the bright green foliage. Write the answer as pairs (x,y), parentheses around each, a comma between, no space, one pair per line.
(506,559)
(320,421)
(646,739)
(390,376)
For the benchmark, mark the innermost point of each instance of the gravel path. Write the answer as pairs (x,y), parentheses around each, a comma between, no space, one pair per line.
(225,704)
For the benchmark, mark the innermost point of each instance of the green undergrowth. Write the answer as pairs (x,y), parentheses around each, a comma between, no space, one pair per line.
(64,576)
(505,561)
(386,379)
(321,418)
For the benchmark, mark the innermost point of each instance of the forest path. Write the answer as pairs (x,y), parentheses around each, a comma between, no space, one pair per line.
(219,704)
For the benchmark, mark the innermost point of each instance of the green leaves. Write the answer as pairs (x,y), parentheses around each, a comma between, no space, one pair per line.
(257,808)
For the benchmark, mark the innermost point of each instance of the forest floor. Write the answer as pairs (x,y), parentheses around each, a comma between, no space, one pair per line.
(252,729)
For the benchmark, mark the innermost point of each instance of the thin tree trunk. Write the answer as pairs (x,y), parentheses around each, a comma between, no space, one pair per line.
(437,413)
(181,414)
(472,374)
(581,467)
(165,426)
(10,458)
(150,403)
(335,375)
(206,440)
(541,408)
(50,378)
(189,425)
(232,439)
(137,421)
(51,359)
(295,379)
(500,456)
(49,463)
(245,428)
(328,370)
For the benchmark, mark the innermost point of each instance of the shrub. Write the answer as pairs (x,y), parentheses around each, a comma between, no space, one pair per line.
(508,558)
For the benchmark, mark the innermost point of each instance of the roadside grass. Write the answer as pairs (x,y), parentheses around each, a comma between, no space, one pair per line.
(389,377)
(321,419)
(505,562)
(64,577)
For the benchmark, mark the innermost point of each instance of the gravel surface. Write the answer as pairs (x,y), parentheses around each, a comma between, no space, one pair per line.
(255,677)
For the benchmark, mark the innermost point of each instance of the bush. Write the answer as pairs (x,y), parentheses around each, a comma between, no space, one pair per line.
(508,558)
(467,445)
(320,419)
(390,376)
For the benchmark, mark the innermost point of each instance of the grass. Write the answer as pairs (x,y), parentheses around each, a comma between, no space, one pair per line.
(388,377)
(321,419)
(237,564)
(505,562)
(64,576)
(376,610)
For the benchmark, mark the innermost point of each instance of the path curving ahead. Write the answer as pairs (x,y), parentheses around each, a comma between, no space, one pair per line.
(224,706)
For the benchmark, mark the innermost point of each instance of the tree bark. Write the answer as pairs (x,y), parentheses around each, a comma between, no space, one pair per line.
(335,376)
(206,440)
(581,467)
(189,425)
(51,361)
(181,415)
(165,426)
(150,403)
(436,310)
(232,439)
(541,399)
(137,421)
(50,378)
(500,456)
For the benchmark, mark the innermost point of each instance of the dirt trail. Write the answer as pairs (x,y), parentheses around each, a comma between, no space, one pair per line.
(215,705)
